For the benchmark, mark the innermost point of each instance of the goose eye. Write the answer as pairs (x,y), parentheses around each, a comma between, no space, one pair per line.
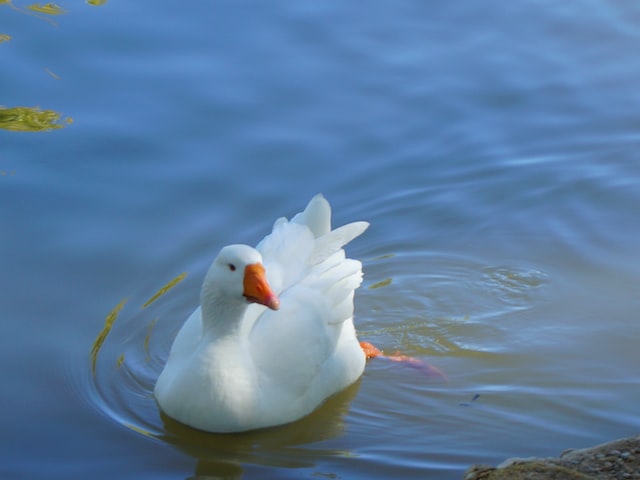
(232,267)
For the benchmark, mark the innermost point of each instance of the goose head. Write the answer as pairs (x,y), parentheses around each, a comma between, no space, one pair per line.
(237,277)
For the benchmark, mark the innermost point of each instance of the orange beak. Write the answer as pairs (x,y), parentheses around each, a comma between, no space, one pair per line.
(256,288)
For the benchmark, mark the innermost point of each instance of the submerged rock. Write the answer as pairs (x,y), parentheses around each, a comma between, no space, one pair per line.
(617,460)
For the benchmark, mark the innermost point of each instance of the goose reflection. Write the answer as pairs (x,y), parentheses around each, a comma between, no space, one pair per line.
(222,455)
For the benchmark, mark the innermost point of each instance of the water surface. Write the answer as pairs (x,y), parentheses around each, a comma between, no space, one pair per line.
(492,147)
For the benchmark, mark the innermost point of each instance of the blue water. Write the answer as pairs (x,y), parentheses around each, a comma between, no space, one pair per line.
(492,146)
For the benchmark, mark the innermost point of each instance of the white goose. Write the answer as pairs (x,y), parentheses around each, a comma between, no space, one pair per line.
(274,335)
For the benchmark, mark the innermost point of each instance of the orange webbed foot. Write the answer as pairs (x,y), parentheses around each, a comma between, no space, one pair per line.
(370,351)
(427,369)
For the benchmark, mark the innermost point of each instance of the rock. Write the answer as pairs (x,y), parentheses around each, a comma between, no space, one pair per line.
(609,461)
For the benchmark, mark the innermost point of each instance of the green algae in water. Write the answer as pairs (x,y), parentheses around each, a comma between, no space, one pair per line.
(48,8)
(383,283)
(102,336)
(165,289)
(147,339)
(31,119)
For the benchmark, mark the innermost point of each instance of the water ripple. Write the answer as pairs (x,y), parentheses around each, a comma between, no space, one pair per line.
(441,303)
(129,358)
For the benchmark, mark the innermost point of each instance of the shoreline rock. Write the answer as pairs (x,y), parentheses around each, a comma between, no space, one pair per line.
(616,460)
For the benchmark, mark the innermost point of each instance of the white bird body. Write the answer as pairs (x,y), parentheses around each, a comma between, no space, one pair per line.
(238,366)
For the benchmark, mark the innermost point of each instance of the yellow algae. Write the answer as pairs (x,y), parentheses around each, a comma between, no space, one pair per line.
(4,37)
(51,73)
(165,289)
(140,430)
(50,8)
(108,324)
(147,339)
(30,119)
(383,283)
(120,360)
(35,9)
(10,4)
(97,3)
(384,257)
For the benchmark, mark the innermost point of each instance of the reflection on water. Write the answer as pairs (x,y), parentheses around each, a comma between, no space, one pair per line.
(271,446)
